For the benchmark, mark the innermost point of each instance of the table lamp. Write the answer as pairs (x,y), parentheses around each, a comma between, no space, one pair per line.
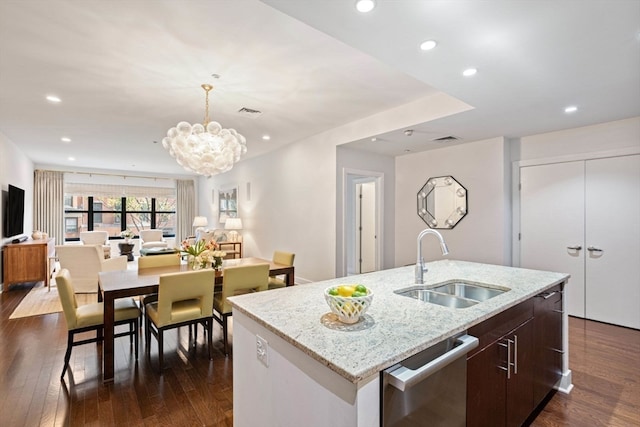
(233,224)
(199,222)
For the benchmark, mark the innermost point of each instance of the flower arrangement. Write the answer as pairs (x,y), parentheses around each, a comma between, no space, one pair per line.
(127,234)
(201,254)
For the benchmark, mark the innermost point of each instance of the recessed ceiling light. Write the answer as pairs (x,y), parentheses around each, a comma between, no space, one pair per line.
(65,139)
(374,139)
(469,72)
(571,109)
(53,98)
(428,45)
(266,137)
(365,6)
(71,159)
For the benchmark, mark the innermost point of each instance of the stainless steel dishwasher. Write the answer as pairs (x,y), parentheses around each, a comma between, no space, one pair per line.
(429,388)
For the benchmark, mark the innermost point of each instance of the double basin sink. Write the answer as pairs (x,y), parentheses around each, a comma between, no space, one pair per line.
(453,294)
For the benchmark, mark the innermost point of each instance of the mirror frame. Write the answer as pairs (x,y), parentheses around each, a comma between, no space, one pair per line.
(444,191)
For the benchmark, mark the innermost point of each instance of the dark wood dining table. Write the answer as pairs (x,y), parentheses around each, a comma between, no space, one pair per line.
(128,283)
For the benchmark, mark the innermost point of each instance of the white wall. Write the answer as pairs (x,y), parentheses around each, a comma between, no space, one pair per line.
(596,138)
(15,169)
(483,235)
(293,189)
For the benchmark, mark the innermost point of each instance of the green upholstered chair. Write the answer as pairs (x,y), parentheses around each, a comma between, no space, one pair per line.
(90,317)
(236,281)
(184,298)
(285,258)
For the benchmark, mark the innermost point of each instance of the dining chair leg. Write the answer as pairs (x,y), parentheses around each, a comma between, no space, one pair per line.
(136,333)
(160,348)
(147,336)
(224,333)
(67,355)
(209,333)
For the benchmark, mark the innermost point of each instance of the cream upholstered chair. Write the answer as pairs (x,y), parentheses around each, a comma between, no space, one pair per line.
(89,317)
(97,238)
(84,262)
(285,258)
(156,261)
(152,239)
(184,299)
(236,281)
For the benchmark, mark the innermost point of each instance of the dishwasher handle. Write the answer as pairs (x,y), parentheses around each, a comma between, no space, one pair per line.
(403,377)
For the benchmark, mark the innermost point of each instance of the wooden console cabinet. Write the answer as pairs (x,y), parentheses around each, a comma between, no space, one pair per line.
(233,249)
(27,261)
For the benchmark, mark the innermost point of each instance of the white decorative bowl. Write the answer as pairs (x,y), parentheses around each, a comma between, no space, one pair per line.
(348,309)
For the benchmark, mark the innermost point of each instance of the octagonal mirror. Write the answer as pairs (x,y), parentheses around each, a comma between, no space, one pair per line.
(442,202)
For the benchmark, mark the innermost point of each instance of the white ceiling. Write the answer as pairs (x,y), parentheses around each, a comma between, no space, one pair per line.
(128,71)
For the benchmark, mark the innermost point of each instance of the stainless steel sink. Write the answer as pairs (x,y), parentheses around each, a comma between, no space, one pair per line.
(467,290)
(437,298)
(454,294)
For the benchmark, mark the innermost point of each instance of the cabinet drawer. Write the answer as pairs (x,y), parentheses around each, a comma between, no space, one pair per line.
(499,325)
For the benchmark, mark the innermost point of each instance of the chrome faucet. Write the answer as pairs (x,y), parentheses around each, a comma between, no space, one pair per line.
(421,268)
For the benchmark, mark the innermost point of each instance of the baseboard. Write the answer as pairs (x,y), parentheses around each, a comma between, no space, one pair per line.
(565,385)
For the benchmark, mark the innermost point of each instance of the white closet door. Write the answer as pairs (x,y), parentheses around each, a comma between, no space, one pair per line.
(552,222)
(613,225)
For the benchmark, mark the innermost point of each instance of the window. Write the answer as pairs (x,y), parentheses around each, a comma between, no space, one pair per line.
(107,213)
(71,226)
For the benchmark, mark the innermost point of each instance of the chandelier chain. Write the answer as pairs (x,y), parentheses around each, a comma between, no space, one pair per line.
(206,88)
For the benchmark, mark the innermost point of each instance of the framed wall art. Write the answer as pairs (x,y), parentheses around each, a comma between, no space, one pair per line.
(228,203)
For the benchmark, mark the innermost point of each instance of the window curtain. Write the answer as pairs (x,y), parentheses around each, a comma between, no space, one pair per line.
(48,204)
(185,209)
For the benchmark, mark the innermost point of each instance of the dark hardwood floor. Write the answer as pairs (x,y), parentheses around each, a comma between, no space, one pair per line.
(194,391)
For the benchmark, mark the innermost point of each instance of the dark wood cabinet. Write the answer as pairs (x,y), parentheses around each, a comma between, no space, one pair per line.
(548,342)
(500,370)
(27,261)
(518,361)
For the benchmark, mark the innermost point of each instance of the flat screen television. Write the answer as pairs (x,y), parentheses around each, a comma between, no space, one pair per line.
(14,214)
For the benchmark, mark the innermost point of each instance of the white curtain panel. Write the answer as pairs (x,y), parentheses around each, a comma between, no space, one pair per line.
(48,203)
(185,209)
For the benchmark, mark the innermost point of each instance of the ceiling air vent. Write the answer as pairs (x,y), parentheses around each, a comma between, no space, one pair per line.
(249,112)
(449,138)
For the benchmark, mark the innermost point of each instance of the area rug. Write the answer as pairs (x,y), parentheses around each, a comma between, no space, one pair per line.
(40,300)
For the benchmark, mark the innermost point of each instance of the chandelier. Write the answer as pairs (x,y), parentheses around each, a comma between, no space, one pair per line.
(206,149)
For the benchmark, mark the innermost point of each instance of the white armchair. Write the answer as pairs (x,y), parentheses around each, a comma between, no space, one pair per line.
(84,262)
(97,238)
(152,239)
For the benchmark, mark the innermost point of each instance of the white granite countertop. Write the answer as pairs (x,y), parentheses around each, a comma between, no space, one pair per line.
(395,326)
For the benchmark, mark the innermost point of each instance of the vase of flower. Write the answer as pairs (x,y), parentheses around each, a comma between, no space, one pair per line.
(127,235)
(202,254)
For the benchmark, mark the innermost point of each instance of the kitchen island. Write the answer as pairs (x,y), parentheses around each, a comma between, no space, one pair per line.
(292,367)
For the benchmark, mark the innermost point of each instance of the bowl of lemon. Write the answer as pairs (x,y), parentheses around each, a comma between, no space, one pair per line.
(349,301)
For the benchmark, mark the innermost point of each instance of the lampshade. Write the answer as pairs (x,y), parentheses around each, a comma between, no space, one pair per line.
(233,224)
(200,221)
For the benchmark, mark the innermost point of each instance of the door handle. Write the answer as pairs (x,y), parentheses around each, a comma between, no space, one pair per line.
(594,249)
(574,248)
(403,377)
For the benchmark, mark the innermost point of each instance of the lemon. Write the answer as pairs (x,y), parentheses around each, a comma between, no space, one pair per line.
(346,290)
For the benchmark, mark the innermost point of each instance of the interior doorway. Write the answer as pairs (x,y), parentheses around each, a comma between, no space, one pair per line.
(362,222)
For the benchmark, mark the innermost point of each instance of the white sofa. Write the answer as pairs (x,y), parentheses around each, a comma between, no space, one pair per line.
(84,262)
(97,238)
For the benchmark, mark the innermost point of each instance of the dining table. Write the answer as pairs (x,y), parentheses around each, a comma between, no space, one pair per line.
(133,282)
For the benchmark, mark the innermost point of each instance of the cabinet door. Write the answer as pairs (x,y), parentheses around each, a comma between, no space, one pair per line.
(547,343)
(486,387)
(613,226)
(520,384)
